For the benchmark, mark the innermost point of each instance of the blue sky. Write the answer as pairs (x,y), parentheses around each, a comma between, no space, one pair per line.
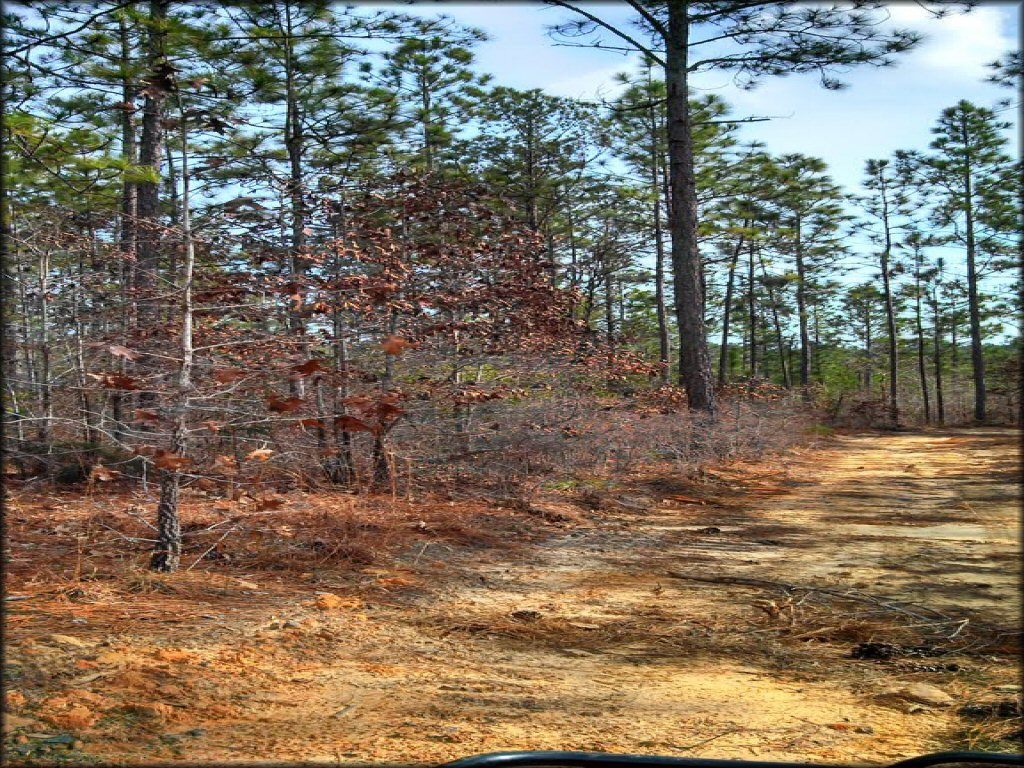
(882,109)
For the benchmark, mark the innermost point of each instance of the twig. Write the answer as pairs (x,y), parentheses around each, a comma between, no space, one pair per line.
(747,581)
(126,538)
(139,518)
(212,547)
(710,739)
(420,554)
(959,629)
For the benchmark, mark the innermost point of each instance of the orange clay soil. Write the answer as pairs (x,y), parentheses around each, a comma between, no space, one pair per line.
(327,628)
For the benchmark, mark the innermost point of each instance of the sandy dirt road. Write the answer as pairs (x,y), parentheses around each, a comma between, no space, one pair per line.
(590,640)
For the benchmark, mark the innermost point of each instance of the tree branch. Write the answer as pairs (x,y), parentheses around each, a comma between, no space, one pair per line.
(657,25)
(600,22)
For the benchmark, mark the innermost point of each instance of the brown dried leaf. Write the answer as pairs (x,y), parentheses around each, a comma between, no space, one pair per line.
(284,406)
(386,410)
(261,454)
(102,474)
(142,416)
(121,351)
(114,380)
(352,424)
(167,460)
(395,345)
(309,367)
(228,375)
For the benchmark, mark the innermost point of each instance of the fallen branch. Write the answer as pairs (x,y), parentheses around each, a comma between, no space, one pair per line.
(211,548)
(855,596)
(133,539)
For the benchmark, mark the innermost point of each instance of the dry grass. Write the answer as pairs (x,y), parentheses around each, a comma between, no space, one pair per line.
(85,559)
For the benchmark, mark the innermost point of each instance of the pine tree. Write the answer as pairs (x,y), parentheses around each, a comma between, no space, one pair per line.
(767,39)
(810,216)
(885,204)
(431,76)
(975,185)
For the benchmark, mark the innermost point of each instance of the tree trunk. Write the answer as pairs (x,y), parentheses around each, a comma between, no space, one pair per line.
(45,386)
(167,552)
(609,312)
(342,470)
(662,196)
(694,360)
(801,309)
(381,465)
(664,346)
(787,380)
(974,310)
(816,346)
(294,141)
(919,328)
(426,121)
(150,150)
(751,312)
(940,406)
(723,353)
(90,426)
(172,209)
(147,201)
(890,314)
(869,351)
(126,225)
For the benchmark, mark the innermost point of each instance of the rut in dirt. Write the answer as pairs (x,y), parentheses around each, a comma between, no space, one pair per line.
(928,518)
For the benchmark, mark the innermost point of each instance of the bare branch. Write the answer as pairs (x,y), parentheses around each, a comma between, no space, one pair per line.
(617,32)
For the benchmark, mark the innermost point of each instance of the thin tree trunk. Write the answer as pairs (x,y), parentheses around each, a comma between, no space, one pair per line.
(150,149)
(167,552)
(172,208)
(801,309)
(974,309)
(723,353)
(294,141)
(869,364)
(342,470)
(751,312)
(659,184)
(426,122)
(126,223)
(940,406)
(919,327)
(664,345)
(890,314)
(609,312)
(44,383)
(148,231)
(787,381)
(91,434)
(816,346)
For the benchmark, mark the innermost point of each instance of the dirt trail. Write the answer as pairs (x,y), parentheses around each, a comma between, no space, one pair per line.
(586,642)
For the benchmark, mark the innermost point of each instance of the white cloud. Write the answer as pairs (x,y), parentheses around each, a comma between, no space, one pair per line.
(959,45)
(598,83)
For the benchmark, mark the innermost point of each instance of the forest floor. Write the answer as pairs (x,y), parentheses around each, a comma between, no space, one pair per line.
(714,617)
